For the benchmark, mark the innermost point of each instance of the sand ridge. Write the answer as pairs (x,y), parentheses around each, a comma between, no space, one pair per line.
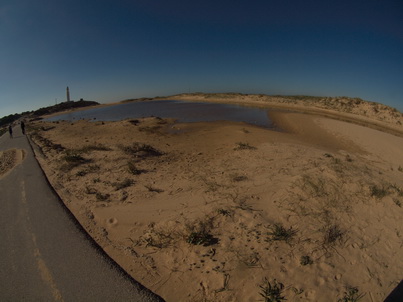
(215,211)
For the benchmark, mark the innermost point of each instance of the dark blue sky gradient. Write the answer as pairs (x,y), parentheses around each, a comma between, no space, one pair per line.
(112,50)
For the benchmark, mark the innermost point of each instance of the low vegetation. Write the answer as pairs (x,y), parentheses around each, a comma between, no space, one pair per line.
(280,233)
(153,189)
(139,150)
(102,197)
(244,146)
(332,235)
(351,295)
(123,184)
(89,169)
(201,238)
(306,260)
(45,144)
(317,200)
(238,178)
(96,147)
(72,159)
(224,212)
(378,192)
(9,119)
(272,291)
(199,232)
(132,168)
(63,106)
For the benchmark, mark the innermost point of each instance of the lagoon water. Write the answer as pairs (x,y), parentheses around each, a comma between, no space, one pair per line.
(180,110)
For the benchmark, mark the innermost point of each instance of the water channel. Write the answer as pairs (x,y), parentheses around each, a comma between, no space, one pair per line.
(181,110)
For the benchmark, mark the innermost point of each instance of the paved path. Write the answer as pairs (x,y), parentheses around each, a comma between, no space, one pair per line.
(44,254)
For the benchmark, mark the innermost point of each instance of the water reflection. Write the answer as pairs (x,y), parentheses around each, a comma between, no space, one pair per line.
(180,110)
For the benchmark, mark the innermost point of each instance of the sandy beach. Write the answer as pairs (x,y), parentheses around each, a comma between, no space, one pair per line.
(227,211)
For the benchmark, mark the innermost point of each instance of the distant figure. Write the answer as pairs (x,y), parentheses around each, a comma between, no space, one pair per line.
(23,127)
(10,130)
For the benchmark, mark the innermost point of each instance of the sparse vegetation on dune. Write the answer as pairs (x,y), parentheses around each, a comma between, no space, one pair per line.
(63,106)
(2,131)
(351,295)
(279,233)
(12,118)
(217,213)
(123,184)
(340,103)
(141,150)
(95,147)
(72,159)
(381,115)
(244,146)
(272,291)
(332,235)
(131,166)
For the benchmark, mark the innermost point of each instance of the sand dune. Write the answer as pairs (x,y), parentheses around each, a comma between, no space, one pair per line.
(225,211)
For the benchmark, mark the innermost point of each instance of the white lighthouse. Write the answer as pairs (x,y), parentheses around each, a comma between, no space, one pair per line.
(68,94)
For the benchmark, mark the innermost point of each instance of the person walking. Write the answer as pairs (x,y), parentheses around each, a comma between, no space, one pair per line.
(10,130)
(23,127)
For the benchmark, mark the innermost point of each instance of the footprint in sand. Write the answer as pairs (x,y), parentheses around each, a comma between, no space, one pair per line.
(112,222)
(321,281)
(9,159)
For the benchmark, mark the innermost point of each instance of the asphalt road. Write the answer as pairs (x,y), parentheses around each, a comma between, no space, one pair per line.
(45,255)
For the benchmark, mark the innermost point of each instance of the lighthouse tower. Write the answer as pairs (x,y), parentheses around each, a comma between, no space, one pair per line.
(68,94)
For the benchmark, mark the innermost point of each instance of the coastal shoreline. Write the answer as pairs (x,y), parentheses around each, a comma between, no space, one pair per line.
(393,125)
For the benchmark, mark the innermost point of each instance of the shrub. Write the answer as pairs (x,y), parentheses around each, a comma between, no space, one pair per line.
(72,159)
(134,122)
(378,192)
(332,234)
(141,150)
(238,178)
(306,260)
(97,147)
(153,189)
(272,292)
(123,184)
(72,156)
(200,238)
(199,232)
(224,212)
(150,129)
(133,169)
(351,295)
(81,173)
(280,233)
(159,237)
(102,197)
(87,170)
(244,146)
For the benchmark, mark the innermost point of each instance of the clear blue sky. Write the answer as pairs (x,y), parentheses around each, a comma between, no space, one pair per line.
(111,50)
